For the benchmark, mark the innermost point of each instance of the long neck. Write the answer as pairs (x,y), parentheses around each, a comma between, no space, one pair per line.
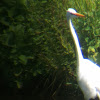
(75,37)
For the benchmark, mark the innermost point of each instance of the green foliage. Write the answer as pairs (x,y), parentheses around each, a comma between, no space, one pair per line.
(35,39)
(30,40)
(90,31)
(87,29)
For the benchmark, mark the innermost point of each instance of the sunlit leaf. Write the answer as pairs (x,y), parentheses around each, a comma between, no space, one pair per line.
(92,49)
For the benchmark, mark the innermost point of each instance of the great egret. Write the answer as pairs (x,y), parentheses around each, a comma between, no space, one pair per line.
(88,73)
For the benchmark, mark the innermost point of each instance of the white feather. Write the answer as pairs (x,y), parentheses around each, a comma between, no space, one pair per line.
(88,73)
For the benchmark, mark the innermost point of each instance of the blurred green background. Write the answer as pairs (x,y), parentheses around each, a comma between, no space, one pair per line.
(37,52)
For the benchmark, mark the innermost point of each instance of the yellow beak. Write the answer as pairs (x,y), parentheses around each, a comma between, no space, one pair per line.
(77,14)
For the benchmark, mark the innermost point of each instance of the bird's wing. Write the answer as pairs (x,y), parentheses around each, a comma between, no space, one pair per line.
(94,75)
(89,78)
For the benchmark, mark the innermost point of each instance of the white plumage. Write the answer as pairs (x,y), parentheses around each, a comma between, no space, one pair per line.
(88,73)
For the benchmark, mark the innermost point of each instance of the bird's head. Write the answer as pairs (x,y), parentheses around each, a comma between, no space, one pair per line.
(71,13)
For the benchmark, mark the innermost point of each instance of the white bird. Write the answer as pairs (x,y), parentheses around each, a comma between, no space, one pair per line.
(88,73)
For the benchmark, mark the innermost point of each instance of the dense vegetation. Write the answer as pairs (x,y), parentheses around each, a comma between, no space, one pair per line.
(37,50)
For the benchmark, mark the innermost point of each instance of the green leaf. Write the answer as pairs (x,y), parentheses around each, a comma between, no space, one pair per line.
(18,74)
(39,72)
(86,39)
(35,73)
(13,50)
(87,28)
(91,49)
(44,1)
(23,2)
(23,59)
(19,84)
(98,59)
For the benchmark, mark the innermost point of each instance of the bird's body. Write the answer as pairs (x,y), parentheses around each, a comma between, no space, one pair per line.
(89,79)
(88,73)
